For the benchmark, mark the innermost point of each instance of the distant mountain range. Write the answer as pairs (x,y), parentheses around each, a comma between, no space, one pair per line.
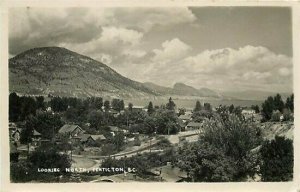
(60,72)
(181,89)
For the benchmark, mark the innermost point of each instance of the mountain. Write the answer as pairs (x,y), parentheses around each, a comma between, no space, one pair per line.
(181,89)
(253,94)
(58,71)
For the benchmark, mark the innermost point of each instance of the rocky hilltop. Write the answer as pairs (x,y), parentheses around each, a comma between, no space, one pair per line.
(58,71)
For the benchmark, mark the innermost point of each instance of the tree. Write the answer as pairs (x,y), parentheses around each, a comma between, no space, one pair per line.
(170,105)
(40,102)
(290,103)
(49,157)
(130,106)
(236,138)
(166,122)
(96,119)
(118,140)
(150,108)
(207,107)
(98,103)
(276,116)
(267,108)
(45,123)
(287,115)
(28,107)
(117,104)
(205,163)
(278,103)
(58,104)
(198,106)
(277,160)
(231,108)
(14,107)
(255,108)
(106,105)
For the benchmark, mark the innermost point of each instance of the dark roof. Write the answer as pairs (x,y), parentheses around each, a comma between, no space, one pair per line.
(84,137)
(68,128)
(194,124)
(35,133)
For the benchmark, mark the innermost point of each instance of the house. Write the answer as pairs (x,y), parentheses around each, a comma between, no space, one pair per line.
(14,132)
(193,126)
(114,130)
(248,111)
(91,139)
(182,125)
(71,130)
(139,109)
(185,117)
(36,138)
(16,136)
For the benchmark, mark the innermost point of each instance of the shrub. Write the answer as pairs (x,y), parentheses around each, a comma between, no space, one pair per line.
(277,160)
(276,116)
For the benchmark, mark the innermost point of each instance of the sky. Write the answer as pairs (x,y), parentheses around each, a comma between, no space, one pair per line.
(221,48)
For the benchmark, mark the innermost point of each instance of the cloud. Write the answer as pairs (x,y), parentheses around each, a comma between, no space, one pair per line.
(226,68)
(36,27)
(171,50)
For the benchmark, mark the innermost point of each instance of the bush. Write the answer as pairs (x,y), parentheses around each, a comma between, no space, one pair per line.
(206,163)
(277,160)
(236,138)
(287,115)
(276,116)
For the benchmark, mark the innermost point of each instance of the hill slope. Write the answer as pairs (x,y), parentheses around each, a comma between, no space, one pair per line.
(58,71)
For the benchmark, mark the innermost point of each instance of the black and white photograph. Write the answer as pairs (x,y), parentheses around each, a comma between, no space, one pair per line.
(190,94)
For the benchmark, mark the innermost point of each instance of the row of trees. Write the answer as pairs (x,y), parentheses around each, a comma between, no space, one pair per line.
(273,104)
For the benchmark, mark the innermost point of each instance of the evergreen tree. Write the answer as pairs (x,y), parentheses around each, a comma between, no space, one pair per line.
(14,107)
(231,108)
(198,106)
(130,106)
(98,103)
(121,105)
(150,108)
(40,102)
(207,107)
(290,103)
(171,105)
(106,105)
(267,108)
(278,103)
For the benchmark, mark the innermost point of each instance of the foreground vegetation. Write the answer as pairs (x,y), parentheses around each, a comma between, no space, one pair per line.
(230,146)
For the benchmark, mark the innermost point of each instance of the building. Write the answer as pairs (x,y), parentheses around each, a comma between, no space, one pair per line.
(71,130)
(114,130)
(185,118)
(91,140)
(14,132)
(36,138)
(193,126)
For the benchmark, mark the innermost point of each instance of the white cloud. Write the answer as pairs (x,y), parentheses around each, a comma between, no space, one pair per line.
(171,50)
(116,34)
(247,66)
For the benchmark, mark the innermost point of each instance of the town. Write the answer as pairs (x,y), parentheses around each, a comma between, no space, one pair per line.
(89,136)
